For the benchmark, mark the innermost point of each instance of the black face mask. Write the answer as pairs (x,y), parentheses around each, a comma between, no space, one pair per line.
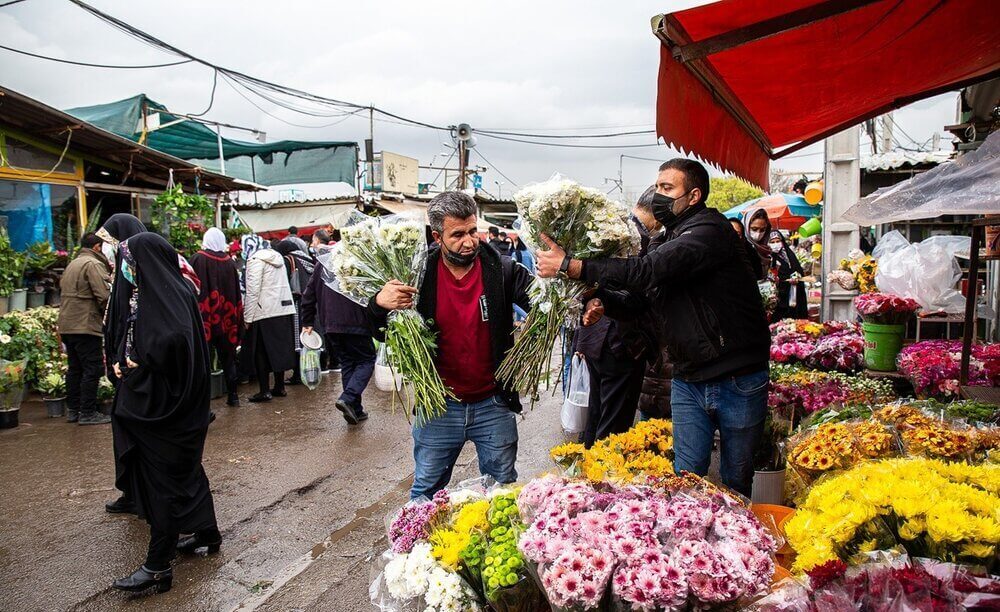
(459,260)
(663,209)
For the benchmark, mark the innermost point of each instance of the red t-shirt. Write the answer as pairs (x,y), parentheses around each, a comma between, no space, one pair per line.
(465,360)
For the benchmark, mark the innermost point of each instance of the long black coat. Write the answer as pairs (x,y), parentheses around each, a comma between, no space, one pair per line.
(163,402)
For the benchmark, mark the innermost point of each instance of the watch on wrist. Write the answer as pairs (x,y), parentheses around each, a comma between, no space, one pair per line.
(564,267)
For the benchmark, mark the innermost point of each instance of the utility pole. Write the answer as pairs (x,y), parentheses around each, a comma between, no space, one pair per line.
(887,124)
(463,162)
(370,146)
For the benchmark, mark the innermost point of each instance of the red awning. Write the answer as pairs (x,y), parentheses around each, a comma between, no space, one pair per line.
(740,79)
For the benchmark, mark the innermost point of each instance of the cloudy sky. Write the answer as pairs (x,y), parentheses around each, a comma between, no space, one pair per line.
(553,67)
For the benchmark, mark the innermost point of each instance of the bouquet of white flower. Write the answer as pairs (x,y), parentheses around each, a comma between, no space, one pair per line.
(586,224)
(372,251)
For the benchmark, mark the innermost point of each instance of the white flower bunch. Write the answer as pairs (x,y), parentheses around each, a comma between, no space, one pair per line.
(418,574)
(585,223)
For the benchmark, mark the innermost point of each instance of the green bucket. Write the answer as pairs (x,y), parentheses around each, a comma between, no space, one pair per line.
(810,228)
(882,345)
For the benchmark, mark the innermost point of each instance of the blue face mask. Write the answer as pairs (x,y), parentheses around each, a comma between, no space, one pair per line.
(128,273)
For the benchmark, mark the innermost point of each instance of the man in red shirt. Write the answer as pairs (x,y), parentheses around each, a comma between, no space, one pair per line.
(469,291)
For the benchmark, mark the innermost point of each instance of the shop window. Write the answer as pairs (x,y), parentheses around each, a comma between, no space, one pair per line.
(23,156)
(39,212)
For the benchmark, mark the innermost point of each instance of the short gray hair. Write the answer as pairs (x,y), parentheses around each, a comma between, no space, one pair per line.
(645,201)
(449,204)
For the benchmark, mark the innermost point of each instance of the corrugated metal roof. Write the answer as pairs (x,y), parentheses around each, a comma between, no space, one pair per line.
(898,159)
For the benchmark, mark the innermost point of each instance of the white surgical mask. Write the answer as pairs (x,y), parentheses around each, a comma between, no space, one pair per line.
(108,251)
(757,236)
(775,247)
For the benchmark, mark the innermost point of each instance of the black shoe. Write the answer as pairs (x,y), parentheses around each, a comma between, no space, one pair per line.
(192,543)
(211,416)
(233,400)
(362,415)
(349,414)
(93,418)
(72,416)
(259,397)
(120,506)
(142,579)
(279,392)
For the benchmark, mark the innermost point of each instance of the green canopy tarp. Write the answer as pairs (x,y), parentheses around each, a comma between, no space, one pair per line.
(276,163)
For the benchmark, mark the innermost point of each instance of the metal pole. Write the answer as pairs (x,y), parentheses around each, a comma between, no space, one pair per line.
(461,164)
(843,190)
(222,157)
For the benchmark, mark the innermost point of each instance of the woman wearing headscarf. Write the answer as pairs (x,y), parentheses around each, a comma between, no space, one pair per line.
(118,228)
(221,304)
(787,270)
(163,405)
(298,268)
(269,312)
(756,229)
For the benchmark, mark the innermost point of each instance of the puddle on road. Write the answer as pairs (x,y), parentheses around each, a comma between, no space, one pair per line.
(298,566)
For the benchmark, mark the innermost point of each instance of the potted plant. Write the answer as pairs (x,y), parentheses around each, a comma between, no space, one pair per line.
(105,395)
(11,275)
(52,386)
(11,392)
(769,463)
(39,259)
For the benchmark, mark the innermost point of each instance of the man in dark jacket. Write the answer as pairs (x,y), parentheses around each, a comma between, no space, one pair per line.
(469,291)
(85,287)
(347,334)
(700,284)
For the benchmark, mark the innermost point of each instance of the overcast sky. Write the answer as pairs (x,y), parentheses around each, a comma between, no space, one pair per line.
(535,66)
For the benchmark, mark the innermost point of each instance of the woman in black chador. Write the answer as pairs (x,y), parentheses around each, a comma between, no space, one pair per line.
(118,228)
(162,407)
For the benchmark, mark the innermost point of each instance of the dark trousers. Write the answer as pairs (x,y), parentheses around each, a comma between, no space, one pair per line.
(263,369)
(615,385)
(357,363)
(162,548)
(86,366)
(227,362)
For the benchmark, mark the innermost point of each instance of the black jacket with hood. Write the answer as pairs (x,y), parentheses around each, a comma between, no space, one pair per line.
(701,293)
(505,283)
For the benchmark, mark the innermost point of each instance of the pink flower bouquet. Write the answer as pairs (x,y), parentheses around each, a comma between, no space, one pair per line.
(934,366)
(655,550)
(835,346)
(884,308)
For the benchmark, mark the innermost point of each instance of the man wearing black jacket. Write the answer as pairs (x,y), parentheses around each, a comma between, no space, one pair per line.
(700,287)
(468,291)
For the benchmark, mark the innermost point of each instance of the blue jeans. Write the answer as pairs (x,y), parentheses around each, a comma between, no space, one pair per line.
(489,424)
(737,407)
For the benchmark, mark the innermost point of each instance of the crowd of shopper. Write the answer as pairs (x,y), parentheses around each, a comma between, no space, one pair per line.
(677,331)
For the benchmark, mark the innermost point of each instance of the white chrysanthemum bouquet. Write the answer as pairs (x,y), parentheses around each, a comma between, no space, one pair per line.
(587,225)
(372,251)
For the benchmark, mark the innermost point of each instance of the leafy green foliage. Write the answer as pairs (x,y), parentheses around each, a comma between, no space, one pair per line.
(30,335)
(725,193)
(183,216)
(11,265)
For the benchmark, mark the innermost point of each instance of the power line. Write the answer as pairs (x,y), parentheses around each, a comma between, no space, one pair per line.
(570,146)
(612,135)
(570,129)
(285,121)
(256,85)
(6,4)
(211,99)
(492,165)
(89,64)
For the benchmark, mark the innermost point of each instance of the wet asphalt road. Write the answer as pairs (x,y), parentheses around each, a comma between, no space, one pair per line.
(301,499)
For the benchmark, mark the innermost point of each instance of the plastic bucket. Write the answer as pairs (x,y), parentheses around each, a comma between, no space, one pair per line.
(810,228)
(814,193)
(882,345)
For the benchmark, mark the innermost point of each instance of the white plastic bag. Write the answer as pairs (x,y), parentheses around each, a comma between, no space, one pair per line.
(925,271)
(309,368)
(575,408)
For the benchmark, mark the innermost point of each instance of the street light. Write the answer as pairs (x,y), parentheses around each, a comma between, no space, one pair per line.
(499,185)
